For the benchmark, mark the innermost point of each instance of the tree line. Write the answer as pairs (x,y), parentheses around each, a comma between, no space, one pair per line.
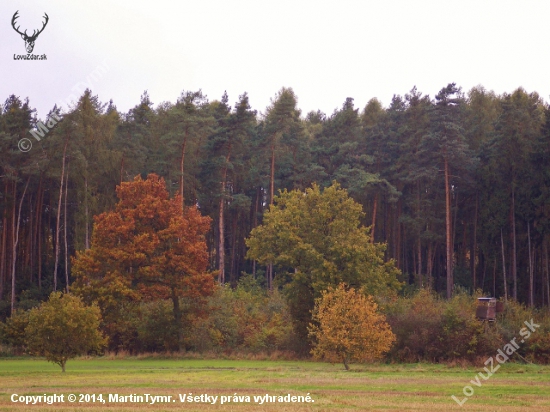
(457,185)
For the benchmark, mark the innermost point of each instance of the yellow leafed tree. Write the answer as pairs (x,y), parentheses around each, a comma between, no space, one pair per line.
(347,327)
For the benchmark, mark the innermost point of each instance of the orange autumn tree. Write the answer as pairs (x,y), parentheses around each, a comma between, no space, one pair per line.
(146,249)
(347,326)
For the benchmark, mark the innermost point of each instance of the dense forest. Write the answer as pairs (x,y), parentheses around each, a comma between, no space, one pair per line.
(457,186)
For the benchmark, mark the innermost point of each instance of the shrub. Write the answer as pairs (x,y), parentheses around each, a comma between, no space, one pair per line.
(537,347)
(244,319)
(12,332)
(156,330)
(431,329)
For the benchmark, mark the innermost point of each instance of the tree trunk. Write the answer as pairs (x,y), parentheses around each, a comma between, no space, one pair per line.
(404,246)
(271,196)
(272,176)
(30,241)
(15,235)
(221,243)
(503,267)
(473,249)
(255,223)
(419,251)
(453,230)
(484,272)
(62,181)
(86,214)
(13,244)
(514,255)
(374,209)
(3,248)
(182,169)
(547,272)
(531,300)
(494,278)
(448,231)
(177,318)
(39,236)
(233,274)
(399,248)
(429,263)
(65,233)
(345,359)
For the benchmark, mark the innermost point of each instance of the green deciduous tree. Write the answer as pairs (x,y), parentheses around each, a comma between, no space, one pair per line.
(318,238)
(63,328)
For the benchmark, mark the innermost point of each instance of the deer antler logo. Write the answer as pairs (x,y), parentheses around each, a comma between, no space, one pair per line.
(29,40)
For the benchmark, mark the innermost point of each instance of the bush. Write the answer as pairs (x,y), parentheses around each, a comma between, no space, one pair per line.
(431,329)
(247,319)
(122,329)
(537,347)
(156,330)
(143,327)
(12,332)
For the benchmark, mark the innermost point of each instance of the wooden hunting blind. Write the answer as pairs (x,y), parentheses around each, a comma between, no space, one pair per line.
(486,309)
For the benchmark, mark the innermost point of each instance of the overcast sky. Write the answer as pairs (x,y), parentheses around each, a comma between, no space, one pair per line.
(325,50)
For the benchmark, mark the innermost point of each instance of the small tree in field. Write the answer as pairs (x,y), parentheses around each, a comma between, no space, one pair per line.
(63,328)
(348,327)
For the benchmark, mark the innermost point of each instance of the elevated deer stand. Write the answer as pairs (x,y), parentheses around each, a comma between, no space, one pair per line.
(487,309)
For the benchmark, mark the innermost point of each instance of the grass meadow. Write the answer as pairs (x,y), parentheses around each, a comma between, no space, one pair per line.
(378,387)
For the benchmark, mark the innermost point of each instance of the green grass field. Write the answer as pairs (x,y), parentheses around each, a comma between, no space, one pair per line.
(417,387)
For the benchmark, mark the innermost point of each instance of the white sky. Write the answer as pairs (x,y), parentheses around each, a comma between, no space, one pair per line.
(326,51)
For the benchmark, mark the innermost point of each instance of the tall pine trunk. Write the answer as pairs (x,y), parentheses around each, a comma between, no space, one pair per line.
(86,215)
(473,251)
(419,261)
(58,221)
(65,232)
(255,223)
(547,266)
(430,263)
(531,300)
(15,236)
(399,247)
(514,255)
(503,267)
(182,169)
(29,241)
(233,273)
(39,235)
(3,247)
(448,231)
(271,195)
(221,243)
(374,210)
